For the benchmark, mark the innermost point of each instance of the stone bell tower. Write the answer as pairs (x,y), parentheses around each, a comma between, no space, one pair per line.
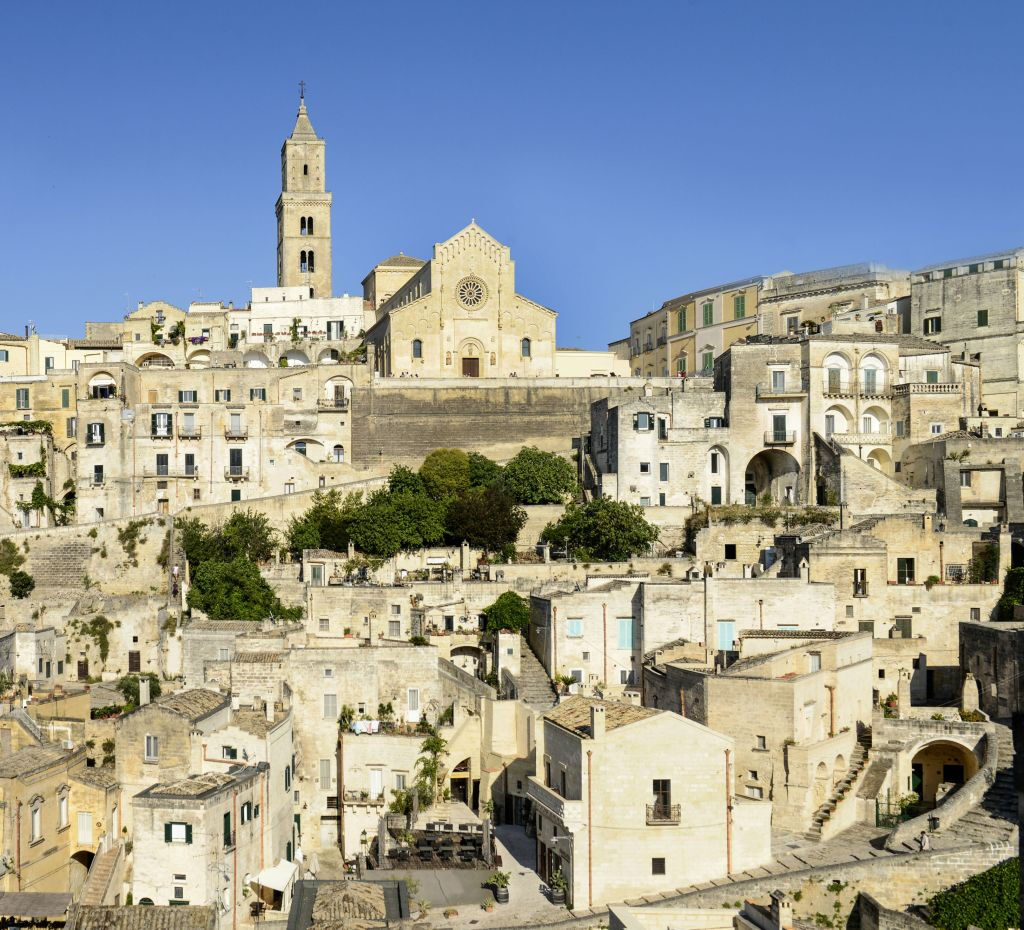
(304,209)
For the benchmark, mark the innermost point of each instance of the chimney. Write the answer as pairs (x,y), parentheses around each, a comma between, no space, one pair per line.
(143,691)
(268,709)
(596,721)
(782,911)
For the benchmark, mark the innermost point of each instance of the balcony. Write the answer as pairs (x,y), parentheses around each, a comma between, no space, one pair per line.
(553,803)
(662,340)
(663,814)
(777,391)
(236,432)
(196,432)
(338,404)
(901,390)
(860,589)
(779,437)
(854,386)
(162,434)
(861,439)
(236,473)
(648,346)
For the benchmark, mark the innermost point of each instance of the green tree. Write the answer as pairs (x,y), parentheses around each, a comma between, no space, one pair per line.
(1013,593)
(129,687)
(989,901)
(984,566)
(404,479)
(197,542)
(509,612)
(22,583)
(482,471)
(445,472)
(235,590)
(248,535)
(602,530)
(325,523)
(389,523)
(536,477)
(429,767)
(10,557)
(487,518)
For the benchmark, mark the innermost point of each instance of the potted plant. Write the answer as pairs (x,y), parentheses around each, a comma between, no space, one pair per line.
(487,904)
(499,882)
(558,886)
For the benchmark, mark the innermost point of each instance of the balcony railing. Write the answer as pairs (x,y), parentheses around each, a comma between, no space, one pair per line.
(779,437)
(662,340)
(236,473)
(162,434)
(236,432)
(196,432)
(663,813)
(849,385)
(932,388)
(333,403)
(862,439)
(787,389)
(860,589)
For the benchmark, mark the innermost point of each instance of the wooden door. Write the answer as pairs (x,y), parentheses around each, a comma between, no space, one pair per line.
(471,368)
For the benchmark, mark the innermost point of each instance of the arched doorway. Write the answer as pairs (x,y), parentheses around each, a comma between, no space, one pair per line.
(939,768)
(470,358)
(460,782)
(79,868)
(821,783)
(775,473)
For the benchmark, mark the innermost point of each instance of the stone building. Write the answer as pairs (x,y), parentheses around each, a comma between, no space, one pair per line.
(618,829)
(991,652)
(196,840)
(973,305)
(794,715)
(35,788)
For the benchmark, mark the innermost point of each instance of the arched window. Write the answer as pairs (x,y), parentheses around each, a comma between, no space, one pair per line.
(338,454)
(302,226)
(417,348)
(302,262)
(524,348)
(300,447)
(310,259)
(309,226)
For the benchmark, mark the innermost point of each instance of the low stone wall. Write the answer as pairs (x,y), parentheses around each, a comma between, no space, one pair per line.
(875,917)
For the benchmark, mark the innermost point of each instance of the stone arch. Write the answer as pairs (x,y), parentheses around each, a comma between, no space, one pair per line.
(836,369)
(939,762)
(717,470)
(329,357)
(838,769)
(199,359)
(338,454)
(338,390)
(472,356)
(255,359)
(821,784)
(774,472)
(873,367)
(841,417)
(102,384)
(314,448)
(154,360)
(467,657)
(295,357)
(880,459)
(875,417)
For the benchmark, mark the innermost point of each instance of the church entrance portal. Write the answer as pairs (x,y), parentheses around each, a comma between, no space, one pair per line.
(471,368)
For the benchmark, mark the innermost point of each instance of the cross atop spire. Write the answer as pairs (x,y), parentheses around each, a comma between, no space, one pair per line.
(302,92)
(303,127)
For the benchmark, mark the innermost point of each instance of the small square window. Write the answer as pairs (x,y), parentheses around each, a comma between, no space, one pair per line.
(975,613)
(658,865)
(325,625)
(881,673)
(762,742)
(752,775)
(730,551)
(645,468)
(849,610)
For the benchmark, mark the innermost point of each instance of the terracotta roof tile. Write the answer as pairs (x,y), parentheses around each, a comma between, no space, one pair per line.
(574,714)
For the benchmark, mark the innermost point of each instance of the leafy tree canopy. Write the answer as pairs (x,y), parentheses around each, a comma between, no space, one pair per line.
(248,535)
(602,530)
(405,479)
(129,687)
(989,901)
(536,477)
(509,612)
(445,472)
(325,524)
(22,583)
(389,523)
(482,471)
(235,590)
(10,557)
(487,518)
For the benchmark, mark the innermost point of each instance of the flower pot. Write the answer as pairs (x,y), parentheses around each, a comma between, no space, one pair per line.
(558,896)
(501,895)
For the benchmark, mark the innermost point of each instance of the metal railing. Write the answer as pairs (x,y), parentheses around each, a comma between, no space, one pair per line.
(237,472)
(854,384)
(663,813)
(240,432)
(332,403)
(195,433)
(779,437)
(780,390)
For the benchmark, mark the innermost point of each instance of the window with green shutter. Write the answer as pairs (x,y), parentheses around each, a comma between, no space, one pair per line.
(175,832)
(708,361)
(983,317)
(709,313)
(681,320)
(229,840)
(739,306)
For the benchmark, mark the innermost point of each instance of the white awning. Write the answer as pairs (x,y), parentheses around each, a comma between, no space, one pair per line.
(278,877)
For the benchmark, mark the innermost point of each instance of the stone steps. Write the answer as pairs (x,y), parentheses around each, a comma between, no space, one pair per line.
(534,685)
(98,880)
(858,764)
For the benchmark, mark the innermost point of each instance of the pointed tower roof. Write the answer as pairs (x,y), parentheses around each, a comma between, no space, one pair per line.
(303,127)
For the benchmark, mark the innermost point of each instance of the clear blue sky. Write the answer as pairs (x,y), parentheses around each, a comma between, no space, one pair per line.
(626,152)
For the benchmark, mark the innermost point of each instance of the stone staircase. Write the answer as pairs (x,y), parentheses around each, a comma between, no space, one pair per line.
(533,684)
(994,820)
(858,763)
(94,891)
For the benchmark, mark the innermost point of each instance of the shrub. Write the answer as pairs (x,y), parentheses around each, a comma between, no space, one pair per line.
(22,583)
(509,612)
(602,530)
(445,472)
(536,477)
(989,901)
